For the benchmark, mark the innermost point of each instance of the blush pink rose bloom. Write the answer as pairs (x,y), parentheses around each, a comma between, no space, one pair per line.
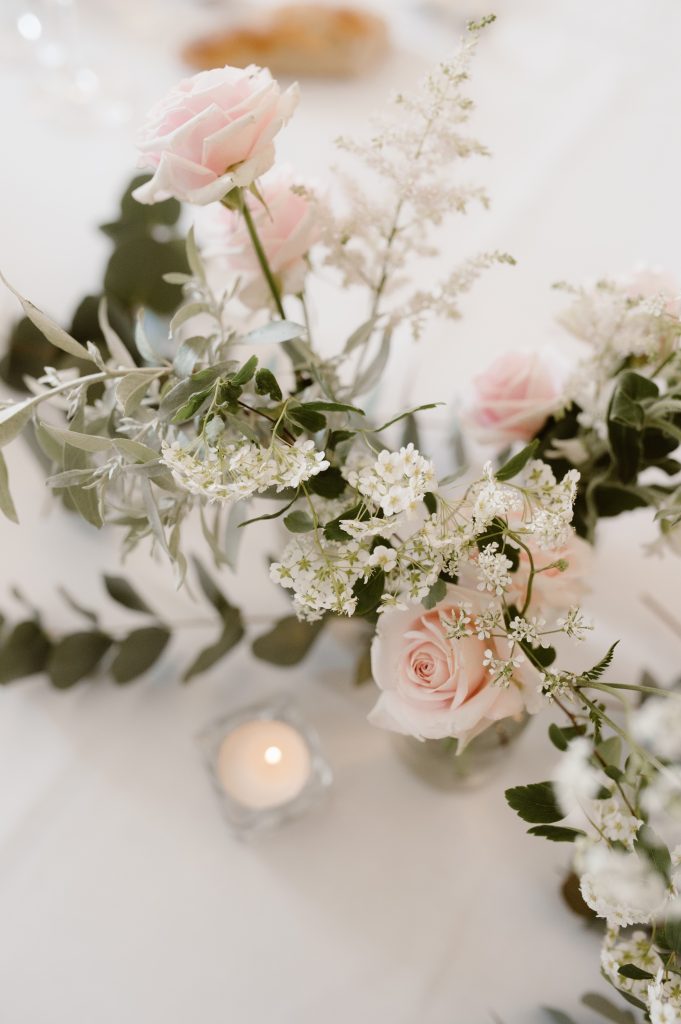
(434,687)
(288,226)
(513,399)
(211,133)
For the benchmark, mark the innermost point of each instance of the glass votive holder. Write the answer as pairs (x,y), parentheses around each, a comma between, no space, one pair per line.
(266,765)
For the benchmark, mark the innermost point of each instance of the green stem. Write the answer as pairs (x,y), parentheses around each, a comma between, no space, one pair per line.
(260,254)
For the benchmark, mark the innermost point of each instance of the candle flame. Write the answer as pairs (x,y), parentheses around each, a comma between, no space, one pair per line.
(273,755)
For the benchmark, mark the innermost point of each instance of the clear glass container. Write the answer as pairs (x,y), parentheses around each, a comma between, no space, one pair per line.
(255,798)
(438,764)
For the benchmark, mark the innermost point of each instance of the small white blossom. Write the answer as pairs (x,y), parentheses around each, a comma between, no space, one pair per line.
(575,779)
(574,624)
(396,482)
(493,569)
(657,726)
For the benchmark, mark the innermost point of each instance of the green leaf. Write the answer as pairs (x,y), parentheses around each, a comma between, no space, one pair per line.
(288,642)
(518,462)
(306,418)
(557,737)
(298,522)
(266,384)
(601,1005)
(275,333)
(270,515)
(87,613)
(131,389)
(245,372)
(84,499)
(55,334)
(117,348)
(602,666)
(557,1016)
(136,269)
(13,419)
(232,633)
(630,390)
(610,750)
(213,593)
(437,593)
(120,590)
(328,484)
(334,531)
(76,439)
(360,336)
(24,651)
(612,499)
(649,846)
(369,592)
(6,504)
(637,973)
(76,656)
(336,437)
(138,652)
(535,803)
(556,833)
(668,935)
(322,406)
(403,415)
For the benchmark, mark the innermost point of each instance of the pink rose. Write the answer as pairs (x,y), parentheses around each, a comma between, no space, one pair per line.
(434,686)
(288,226)
(211,133)
(513,399)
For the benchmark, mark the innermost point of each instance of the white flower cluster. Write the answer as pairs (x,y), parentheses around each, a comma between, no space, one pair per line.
(664,999)
(234,471)
(657,726)
(663,995)
(554,499)
(321,577)
(493,568)
(620,887)
(396,482)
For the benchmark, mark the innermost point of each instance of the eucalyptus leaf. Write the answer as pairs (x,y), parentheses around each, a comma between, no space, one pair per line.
(360,336)
(232,633)
(122,591)
(138,652)
(288,642)
(372,374)
(76,656)
(85,499)
(132,388)
(23,651)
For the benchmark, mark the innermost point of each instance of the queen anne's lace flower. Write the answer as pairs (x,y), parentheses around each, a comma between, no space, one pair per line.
(234,471)
(396,481)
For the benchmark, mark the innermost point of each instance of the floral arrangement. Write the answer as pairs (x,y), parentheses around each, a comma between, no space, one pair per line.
(467,581)
(613,413)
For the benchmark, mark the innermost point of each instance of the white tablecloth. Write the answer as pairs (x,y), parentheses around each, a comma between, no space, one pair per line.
(122,897)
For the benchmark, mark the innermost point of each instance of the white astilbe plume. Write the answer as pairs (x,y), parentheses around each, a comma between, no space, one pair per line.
(411,153)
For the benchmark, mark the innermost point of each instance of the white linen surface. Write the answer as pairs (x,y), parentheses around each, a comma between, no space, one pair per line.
(122,896)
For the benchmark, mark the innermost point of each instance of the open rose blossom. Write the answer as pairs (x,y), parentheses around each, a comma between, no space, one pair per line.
(433,686)
(287,225)
(211,133)
(513,399)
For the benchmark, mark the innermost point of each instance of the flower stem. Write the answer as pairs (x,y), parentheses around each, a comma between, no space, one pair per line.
(260,254)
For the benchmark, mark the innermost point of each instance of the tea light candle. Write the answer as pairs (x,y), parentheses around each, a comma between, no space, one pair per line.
(264,763)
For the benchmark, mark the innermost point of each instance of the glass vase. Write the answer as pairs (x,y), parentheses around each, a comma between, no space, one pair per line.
(439,764)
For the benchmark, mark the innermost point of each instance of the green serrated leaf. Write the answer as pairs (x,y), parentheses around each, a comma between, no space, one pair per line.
(288,642)
(76,656)
(138,652)
(120,590)
(535,803)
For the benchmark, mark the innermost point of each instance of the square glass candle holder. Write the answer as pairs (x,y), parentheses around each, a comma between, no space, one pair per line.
(266,764)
